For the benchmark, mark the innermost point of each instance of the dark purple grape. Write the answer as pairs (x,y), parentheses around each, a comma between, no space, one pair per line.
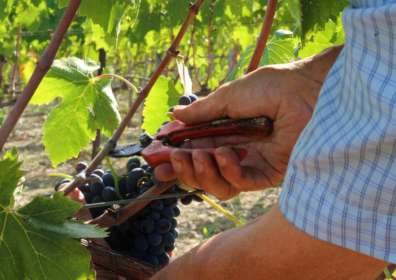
(157,205)
(60,183)
(175,233)
(163,259)
(145,139)
(142,189)
(99,172)
(147,184)
(170,202)
(88,197)
(197,198)
(134,177)
(109,194)
(140,243)
(169,248)
(185,100)
(96,188)
(193,97)
(163,226)
(156,250)
(176,211)
(123,186)
(93,178)
(84,188)
(168,239)
(186,200)
(167,212)
(174,223)
(153,260)
(81,166)
(108,179)
(133,163)
(95,212)
(147,226)
(155,215)
(154,239)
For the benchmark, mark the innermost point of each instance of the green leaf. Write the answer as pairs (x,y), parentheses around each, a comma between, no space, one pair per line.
(316,13)
(87,104)
(278,50)
(157,105)
(107,14)
(332,34)
(9,177)
(32,244)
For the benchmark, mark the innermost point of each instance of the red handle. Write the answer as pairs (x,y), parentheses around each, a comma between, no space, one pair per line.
(176,132)
(157,153)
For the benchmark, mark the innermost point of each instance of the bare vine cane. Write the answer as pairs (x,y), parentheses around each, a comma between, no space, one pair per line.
(41,69)
(264,35)
(110,145)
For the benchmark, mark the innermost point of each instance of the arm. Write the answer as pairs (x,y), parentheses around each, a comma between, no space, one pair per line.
(285,93)
(270,248)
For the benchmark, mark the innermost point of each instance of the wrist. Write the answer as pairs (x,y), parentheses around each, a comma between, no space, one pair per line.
(317,67)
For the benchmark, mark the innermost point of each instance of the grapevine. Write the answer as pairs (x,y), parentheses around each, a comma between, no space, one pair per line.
(139,228)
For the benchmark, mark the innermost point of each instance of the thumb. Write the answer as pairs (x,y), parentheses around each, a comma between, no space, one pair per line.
(211,107)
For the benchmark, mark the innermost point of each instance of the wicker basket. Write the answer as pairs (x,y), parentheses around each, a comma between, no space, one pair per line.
(116,265)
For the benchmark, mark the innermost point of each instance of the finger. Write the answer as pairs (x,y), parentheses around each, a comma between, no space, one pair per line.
(243,177)
(251,96)
(203,110)
(209,178)
(164,173)
(183,166)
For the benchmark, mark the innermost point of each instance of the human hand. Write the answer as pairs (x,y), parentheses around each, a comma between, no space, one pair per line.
(281,93)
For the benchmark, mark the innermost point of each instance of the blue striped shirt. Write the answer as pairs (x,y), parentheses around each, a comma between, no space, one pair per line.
(341,181)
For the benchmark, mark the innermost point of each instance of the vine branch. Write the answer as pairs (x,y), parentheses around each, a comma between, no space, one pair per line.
(42,68)
(264,35)
(110,145)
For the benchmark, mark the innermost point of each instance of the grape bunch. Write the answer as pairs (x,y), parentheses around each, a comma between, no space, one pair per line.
(150,235)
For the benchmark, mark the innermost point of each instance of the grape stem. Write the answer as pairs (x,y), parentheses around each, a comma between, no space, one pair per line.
(41,69)
(264,35)
(110,145)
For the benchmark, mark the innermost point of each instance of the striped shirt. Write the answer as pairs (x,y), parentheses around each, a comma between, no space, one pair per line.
(341,181)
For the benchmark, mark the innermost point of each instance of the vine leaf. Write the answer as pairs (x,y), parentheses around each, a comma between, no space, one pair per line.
(332,34)
(316,13)
(278,50)
(32,242)
(108,14)
(87,104)
(156,107)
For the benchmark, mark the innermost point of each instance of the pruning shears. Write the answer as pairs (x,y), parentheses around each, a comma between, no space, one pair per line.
(157,150)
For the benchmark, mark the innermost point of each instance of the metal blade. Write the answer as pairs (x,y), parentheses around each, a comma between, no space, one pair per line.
(126,151)
(128,201)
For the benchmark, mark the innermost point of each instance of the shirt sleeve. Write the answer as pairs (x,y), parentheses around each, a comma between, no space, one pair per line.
(341,181)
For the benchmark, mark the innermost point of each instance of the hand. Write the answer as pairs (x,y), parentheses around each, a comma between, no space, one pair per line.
(285,93)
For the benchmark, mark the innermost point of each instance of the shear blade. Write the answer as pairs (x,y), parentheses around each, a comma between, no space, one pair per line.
(127,151)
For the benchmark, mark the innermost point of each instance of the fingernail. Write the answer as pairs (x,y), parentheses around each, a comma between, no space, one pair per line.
(221,159)
(198,164)
(177,165)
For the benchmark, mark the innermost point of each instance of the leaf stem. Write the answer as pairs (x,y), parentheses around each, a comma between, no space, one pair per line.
(264,35)
(42,68)
(121,78)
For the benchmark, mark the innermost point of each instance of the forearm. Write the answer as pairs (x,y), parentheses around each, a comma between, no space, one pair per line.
(270,248)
